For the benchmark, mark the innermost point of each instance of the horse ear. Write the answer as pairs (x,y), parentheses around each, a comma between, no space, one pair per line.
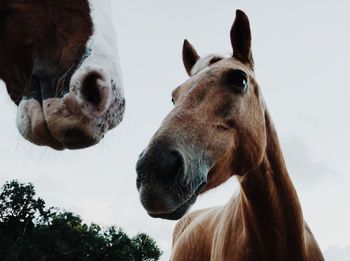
(189,56)
(241,39)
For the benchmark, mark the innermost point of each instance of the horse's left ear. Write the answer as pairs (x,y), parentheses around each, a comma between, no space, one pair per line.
(241,39)
(189,56)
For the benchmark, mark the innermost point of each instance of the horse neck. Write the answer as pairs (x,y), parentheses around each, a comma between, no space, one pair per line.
(270,205)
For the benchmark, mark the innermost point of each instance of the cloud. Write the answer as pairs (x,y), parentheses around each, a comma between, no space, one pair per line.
(336,253)
(302,166)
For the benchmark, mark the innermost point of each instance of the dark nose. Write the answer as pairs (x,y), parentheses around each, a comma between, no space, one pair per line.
(159,163)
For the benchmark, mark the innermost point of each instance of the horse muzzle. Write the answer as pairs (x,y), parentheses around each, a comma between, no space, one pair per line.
(70,114)
(164,190)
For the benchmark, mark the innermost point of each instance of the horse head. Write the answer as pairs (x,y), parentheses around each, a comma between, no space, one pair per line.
(215,130)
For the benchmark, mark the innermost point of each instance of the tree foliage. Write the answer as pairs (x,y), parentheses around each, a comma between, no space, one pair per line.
(31,232)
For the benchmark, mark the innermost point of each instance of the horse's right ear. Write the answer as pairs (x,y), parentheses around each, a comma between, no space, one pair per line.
(189,56)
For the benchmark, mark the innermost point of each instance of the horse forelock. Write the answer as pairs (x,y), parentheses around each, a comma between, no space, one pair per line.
(205,62)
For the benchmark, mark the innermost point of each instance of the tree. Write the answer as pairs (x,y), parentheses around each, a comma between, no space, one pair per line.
(31,232)
(144,246)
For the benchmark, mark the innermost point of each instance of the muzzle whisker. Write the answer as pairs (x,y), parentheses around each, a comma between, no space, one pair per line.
(62,80)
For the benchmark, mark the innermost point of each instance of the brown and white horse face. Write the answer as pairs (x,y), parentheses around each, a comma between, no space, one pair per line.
(60,65)
(217,121)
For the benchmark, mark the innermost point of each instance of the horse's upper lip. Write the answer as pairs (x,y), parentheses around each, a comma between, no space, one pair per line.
(180,211)
(42,87)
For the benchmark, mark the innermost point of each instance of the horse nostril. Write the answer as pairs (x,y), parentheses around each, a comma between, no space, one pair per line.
(171,164)
(159,163)
(90,88)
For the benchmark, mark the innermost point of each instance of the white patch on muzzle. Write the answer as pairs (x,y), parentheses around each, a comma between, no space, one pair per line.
(102,54)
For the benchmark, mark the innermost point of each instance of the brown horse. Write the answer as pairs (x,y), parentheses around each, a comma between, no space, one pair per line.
(220,127)
(59,62)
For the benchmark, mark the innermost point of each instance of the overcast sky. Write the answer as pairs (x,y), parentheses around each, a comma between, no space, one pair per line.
(301,51)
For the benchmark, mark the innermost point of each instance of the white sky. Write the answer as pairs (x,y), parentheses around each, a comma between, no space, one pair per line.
(302,52)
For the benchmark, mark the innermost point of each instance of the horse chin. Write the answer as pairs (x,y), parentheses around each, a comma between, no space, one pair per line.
(180,211)
(40,124)
(32,125)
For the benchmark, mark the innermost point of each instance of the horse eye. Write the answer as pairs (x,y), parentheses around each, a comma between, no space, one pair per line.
(173,101)
(237,80)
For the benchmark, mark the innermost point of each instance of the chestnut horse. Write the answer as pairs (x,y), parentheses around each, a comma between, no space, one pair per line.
(59,61)
(220,127)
